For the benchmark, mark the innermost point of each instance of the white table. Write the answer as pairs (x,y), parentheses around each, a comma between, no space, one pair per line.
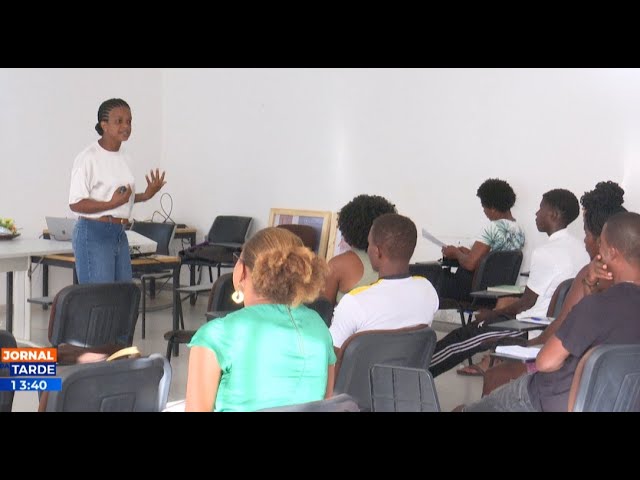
(15,256)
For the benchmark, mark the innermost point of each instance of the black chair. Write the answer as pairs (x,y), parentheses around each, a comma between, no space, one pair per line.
(226,236)
(402,389)
(98,317)
(496,268)
(338,403)
(162,234)
(7,340)
(558,298)
(406,347)
(127,385)
(307,234)
(219,304)
(324,309)
(607,379)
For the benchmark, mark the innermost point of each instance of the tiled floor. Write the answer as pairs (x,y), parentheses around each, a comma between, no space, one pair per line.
(452,389)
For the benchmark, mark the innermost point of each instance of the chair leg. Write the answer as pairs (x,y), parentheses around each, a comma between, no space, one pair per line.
(144,304)
(169,347)
(180,312)
(211,274)
(218,272)
(462,319)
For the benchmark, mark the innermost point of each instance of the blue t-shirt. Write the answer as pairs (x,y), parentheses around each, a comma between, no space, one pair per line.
(268,357)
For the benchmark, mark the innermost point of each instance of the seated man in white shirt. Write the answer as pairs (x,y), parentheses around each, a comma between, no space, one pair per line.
(396,300)
(557,260)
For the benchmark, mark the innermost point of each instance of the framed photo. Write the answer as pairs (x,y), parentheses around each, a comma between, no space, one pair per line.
(320,221)
(336,245)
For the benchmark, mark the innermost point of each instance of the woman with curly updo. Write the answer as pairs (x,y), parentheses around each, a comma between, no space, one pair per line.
(274,351)
(501,233)
(353,268)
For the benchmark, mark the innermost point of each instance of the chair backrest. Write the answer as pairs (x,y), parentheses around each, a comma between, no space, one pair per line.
(324,309)
(338,403)
(406,347)
(97,314)
(161,233)
(558,298)
(7,340)
(402,389)
(497,268)
(220,295)
(307,234)
(229,229)
(127,385)
(607,379)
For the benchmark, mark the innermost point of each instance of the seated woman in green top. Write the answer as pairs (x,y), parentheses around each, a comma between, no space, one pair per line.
(353,268)
(274,351)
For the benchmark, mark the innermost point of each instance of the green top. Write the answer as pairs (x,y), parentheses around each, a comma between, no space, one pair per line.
(266,359)
(369,275)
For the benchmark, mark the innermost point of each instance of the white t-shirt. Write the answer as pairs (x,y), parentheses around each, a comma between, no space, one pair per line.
(560,258)
(387,304)
(97,173)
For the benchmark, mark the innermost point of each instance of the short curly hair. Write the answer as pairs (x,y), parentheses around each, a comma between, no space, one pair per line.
(357,216)
(282,268)
(396,235)
(600,203)
(498,194)
(565,202)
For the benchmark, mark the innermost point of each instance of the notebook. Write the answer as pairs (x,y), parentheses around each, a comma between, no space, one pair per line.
(515,289)
(60,228)
(522,353)
(139,245)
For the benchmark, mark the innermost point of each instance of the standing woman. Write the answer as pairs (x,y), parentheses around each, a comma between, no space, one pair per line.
(275,351)
(102,193)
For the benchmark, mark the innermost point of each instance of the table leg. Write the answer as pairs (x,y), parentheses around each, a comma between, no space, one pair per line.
(9,302)
(45,284)
(176,299)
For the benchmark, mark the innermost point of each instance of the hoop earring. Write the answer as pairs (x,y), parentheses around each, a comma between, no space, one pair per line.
(237,296)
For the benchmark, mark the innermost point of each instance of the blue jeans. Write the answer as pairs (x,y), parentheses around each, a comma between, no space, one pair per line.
(512,397)
(101,251)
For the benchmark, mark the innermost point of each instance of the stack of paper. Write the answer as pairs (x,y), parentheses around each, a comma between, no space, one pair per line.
(516,351)
(515,289)
(537,320)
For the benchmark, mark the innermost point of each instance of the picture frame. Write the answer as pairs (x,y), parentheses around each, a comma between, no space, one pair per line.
(336,244)
(319,220)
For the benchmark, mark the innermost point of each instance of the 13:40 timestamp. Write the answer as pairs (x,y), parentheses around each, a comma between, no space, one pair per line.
(30,384)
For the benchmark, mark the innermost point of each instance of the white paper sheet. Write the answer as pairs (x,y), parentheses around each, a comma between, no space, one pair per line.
(432,239)
(525,353)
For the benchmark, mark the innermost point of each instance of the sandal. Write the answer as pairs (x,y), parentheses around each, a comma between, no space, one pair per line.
(471,371)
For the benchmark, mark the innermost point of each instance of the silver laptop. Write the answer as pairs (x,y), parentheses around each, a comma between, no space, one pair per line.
(60,229)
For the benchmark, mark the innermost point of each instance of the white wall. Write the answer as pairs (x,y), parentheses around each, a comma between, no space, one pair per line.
(241,141)
(47,117)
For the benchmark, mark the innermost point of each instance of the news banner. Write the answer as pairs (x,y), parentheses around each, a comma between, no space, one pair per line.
(30,369)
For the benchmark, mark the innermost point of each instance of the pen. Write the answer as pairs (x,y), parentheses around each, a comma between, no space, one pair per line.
(538,319)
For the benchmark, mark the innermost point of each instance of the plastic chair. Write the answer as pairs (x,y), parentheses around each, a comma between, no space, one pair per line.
(128,385)
(496,268)
(402,389)
(93,317)
(338,403)
(219,301)
(162,234)
(607,379)
(306,233)
(226,236)
(406,347)
(324,309)
(7,340)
